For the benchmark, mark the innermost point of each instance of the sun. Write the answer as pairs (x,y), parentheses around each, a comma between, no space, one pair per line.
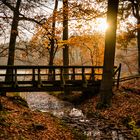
(101,25)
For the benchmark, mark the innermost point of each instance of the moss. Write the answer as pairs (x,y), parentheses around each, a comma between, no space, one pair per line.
(78,135)
(3,122)
(21,137)
(135,128)
(37,127)
(94,114)
(131,124)
(125,121)
(11,94)
(101,105)
(19,101)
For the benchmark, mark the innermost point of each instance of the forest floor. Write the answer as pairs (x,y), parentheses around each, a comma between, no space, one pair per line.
(125,108)
(125,103)
(18,122)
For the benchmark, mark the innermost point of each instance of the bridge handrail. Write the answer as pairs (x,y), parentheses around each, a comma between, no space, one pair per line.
(45,67)
(48,78)
(83,73)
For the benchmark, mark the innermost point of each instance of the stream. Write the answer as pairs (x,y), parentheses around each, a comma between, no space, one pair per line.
(95,128)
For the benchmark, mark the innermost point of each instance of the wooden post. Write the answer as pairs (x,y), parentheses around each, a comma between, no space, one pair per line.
(83,75)
(11,74)
(53,74)
(84,78)
(33,77)
(118,77)
(15,77)
(62,77)
(39,79)
(92,77)
(73,74)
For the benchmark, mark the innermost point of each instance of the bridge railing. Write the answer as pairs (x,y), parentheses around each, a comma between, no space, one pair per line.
(40,75)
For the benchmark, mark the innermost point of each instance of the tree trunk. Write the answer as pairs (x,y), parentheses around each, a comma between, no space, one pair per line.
(14,33)
(52,53)
(138,42)
(136,13)
(51,61)
(109,55)
(12,43)
(65,33)
(65,37)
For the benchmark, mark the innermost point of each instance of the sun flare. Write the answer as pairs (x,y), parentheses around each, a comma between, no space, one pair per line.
(101,25)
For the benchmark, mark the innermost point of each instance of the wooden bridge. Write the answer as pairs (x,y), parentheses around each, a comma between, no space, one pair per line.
(52,78)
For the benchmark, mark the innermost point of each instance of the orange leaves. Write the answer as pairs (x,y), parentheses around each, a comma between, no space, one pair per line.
(18,122)
(125,38)
(90,48)
(124,104)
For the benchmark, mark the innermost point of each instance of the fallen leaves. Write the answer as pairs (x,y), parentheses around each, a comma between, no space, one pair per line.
(124,103)
(19,122)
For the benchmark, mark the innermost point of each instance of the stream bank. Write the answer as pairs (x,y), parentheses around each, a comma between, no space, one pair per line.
(95,127)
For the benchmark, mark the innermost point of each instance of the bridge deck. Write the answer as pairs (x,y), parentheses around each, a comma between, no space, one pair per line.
(50,78)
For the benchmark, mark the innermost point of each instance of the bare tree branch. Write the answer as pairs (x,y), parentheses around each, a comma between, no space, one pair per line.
(8,5)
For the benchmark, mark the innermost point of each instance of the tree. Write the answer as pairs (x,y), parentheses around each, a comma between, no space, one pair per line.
(78,12)
(52,41)
(46,37)
(65,35)
(13,36)
(15,6)
(132,8)
(136,13)
(14,33)
(109,55)
(86,49)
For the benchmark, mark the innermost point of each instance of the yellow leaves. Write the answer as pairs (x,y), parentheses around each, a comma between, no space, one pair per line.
(89,46)
(46,42)
(85,40)
(79,26)
(61,43)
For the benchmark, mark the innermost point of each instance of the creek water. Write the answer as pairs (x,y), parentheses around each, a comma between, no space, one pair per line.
(94,128)
(47,103)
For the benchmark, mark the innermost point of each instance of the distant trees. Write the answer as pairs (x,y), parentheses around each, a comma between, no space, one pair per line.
(86,49)
(136,13)
(132,8)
